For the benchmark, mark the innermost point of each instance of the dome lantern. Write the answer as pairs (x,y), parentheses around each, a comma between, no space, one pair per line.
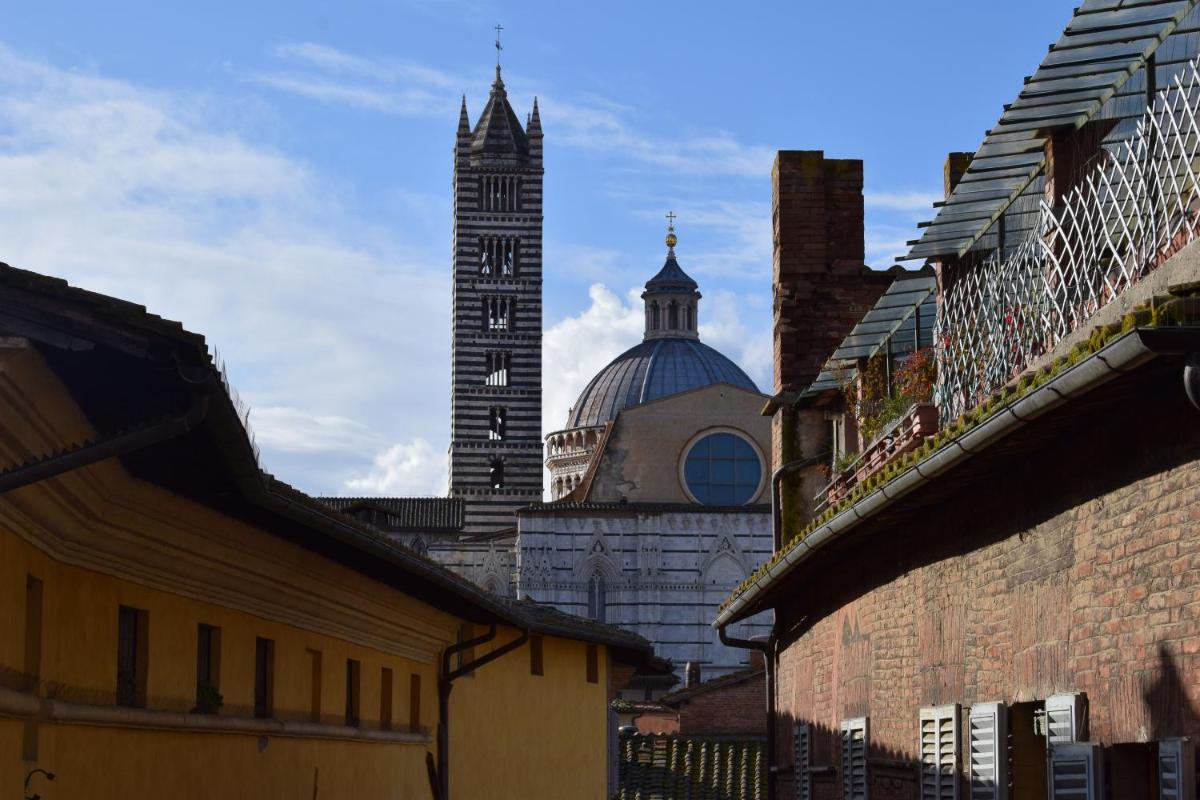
(672,298)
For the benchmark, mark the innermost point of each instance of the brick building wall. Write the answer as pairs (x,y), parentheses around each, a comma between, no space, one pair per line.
(1076,569)
(736,709)
(821,288)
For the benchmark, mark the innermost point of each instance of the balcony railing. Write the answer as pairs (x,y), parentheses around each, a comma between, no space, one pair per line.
(1137,207)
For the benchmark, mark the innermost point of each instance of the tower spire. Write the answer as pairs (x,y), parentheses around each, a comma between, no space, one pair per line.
(464,122)
(498,49)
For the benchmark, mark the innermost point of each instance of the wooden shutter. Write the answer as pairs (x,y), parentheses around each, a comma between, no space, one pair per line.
(1066,718)
(1075,771)
(987,743)
(854,759)
(1176,770)
(802,761)
(939,753)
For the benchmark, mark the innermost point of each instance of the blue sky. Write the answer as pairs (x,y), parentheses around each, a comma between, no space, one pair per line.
(277,176)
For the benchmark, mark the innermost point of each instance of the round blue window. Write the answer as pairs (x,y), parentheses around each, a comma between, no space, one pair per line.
(722,469)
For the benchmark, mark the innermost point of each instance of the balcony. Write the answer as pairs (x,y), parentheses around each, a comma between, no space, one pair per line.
(1003,308)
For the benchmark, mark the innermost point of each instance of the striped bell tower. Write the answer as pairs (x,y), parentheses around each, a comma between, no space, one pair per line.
(496,394)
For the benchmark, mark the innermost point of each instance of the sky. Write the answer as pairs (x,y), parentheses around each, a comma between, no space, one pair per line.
(277,177)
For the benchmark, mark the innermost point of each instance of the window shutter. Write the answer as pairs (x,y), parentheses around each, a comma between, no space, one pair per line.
(1075,771)
(854,759)
(1066,718)
(1176,770)
(939,753)
(802,745)
(987,725)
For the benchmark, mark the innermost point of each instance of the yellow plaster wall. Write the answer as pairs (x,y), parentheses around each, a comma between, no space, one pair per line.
(518,735)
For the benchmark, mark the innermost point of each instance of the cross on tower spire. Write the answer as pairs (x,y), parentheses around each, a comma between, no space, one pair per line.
(671,238)
(498,47)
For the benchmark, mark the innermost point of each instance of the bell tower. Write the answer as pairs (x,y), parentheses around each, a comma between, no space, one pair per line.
(496,354)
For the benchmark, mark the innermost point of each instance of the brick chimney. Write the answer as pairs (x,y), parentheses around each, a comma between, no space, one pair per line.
(822,288)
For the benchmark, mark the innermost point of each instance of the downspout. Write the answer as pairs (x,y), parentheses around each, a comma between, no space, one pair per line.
(446,683)
(776,487)
(767,648)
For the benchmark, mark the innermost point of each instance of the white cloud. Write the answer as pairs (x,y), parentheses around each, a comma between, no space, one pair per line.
(574,349)
(412,469)
(146,196)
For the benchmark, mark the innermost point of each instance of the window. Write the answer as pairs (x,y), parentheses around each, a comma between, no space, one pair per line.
(208,669)
(497,256)
(855,741)
(385,699)
(722,469)
(497,313)
(496,473)
(33,634)
(132,656)
(1075,771)
(673,315)
(535,656)
(414,703)
(987,732)
(1066,718)
(353,692)
(500,193)
(497,365)
(314,685)
(1176,769)
(497,423)
(654,316)
(939,753)
(592,655)
(802,761)
(264,678)
(596,598)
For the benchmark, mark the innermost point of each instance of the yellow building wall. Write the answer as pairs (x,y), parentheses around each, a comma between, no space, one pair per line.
(518,735)
(98,539)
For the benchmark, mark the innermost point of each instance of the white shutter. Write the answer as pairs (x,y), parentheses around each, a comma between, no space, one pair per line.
(987,742)
(802,746)
(854,759)
(939,753)
(1075,771)
(1066,718)
(1176,770)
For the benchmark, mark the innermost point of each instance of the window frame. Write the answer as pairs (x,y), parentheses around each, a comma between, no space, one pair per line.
(737,433)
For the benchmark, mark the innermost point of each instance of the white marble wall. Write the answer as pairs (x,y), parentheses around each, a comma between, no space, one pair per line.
(666,572)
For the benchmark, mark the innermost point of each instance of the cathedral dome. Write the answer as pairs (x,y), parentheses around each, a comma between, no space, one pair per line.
(658,367)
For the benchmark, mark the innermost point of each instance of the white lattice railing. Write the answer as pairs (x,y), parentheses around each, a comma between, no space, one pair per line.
(1135,208)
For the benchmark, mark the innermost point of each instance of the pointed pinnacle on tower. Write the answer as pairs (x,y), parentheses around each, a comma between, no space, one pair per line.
(535,120)
(464,122)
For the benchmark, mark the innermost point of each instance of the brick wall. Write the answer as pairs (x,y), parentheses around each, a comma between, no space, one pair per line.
(1071,566)
(821,288)
(737,709)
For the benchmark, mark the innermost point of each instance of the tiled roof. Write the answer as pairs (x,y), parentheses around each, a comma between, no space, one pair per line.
(407,513)
(732,679)
(549,620)
(559,506)
(672,766)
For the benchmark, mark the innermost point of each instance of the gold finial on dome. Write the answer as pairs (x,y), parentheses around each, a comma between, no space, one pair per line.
(672,239)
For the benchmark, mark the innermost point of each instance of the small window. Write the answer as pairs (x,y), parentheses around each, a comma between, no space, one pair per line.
(353,692)
(497,368)
(597,598)
(264,678)
(132,656)
(536,666)
(722,469)
(987,770)
(939,752)
(855,741)
(208,669)
(414,703)
(592,655)
(385,699)
(496,473)
(802,760)
(497,423)
(314,685)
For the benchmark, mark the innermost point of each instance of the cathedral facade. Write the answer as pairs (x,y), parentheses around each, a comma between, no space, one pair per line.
(660,486)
